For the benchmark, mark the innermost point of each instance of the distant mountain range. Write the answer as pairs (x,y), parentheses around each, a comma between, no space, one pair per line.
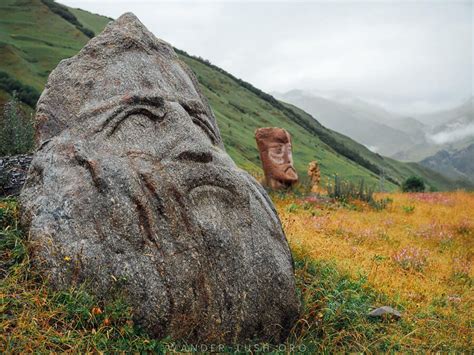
(379,130)
(417,138)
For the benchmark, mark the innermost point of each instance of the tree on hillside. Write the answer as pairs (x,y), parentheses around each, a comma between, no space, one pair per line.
(16,129)
(413,184)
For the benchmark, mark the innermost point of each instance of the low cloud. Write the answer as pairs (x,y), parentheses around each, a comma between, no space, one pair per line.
(453,135)
(372,148)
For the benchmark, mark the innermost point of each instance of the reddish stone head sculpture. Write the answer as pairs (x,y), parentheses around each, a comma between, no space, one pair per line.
(274,145)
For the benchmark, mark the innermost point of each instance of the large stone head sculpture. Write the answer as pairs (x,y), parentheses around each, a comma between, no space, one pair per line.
(131,191)
(274,145)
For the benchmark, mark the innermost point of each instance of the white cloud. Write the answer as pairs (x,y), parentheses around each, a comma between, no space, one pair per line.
(453,135)
(408,56)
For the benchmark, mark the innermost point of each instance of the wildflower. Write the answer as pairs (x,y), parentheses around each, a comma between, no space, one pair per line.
(411,258)
(461,267)
(96,311)
(454,299)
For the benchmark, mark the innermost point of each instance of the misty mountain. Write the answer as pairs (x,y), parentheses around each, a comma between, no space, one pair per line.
(457,125)
(457,164)
(445,116)
(375,113)
(451,130)
(406,138)
(376,128)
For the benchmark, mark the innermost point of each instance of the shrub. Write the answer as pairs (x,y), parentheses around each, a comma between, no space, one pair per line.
(345,191)
(408,209)
(413,184)
(380,204)
(25,93)
(16,130)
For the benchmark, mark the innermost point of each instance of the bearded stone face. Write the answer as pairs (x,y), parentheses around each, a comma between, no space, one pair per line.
(132,194)
(275,152)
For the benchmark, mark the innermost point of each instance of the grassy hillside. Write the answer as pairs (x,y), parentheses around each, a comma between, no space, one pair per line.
(34,39)
(94,22)
(240,111)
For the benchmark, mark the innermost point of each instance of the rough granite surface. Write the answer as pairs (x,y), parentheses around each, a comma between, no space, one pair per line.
(13,171)
(131,192)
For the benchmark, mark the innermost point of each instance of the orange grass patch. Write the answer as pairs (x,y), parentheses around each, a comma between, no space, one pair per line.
(419,251)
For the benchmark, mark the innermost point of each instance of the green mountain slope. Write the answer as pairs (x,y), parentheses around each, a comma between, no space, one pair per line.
(34,39)
(94,22)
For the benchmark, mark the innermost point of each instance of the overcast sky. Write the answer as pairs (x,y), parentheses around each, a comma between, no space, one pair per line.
(410,56)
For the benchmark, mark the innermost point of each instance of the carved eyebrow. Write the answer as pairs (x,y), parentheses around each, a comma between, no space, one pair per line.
(136,110)
(117,112)
(197,112)
(131,106)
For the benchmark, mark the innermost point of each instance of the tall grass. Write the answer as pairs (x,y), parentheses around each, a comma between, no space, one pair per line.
(344,190)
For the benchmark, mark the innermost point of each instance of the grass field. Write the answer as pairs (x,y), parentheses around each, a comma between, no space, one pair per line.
(415,255)
(418,252)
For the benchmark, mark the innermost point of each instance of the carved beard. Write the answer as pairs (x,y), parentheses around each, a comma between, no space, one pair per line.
(284,173)
(191,215)
(193,191)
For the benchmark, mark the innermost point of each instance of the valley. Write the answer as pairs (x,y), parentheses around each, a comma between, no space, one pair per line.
(239,107)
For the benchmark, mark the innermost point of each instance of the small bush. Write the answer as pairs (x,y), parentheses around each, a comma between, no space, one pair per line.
(16,130)
(345,191)
(24,93)
(381,204)
(292,208)
(413,184)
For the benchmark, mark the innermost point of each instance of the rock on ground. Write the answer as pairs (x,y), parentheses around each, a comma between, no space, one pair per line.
(385,311)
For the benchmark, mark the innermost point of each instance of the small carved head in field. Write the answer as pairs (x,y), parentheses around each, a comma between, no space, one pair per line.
(274,145)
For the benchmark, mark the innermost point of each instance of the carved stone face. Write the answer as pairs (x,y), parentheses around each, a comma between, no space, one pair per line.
(275,152)
(131,182)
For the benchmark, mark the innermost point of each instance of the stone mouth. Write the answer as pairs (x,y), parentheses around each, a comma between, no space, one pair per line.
(214,177)
(212,190)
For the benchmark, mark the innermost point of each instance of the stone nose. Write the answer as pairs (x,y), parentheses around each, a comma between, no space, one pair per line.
(287,154)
